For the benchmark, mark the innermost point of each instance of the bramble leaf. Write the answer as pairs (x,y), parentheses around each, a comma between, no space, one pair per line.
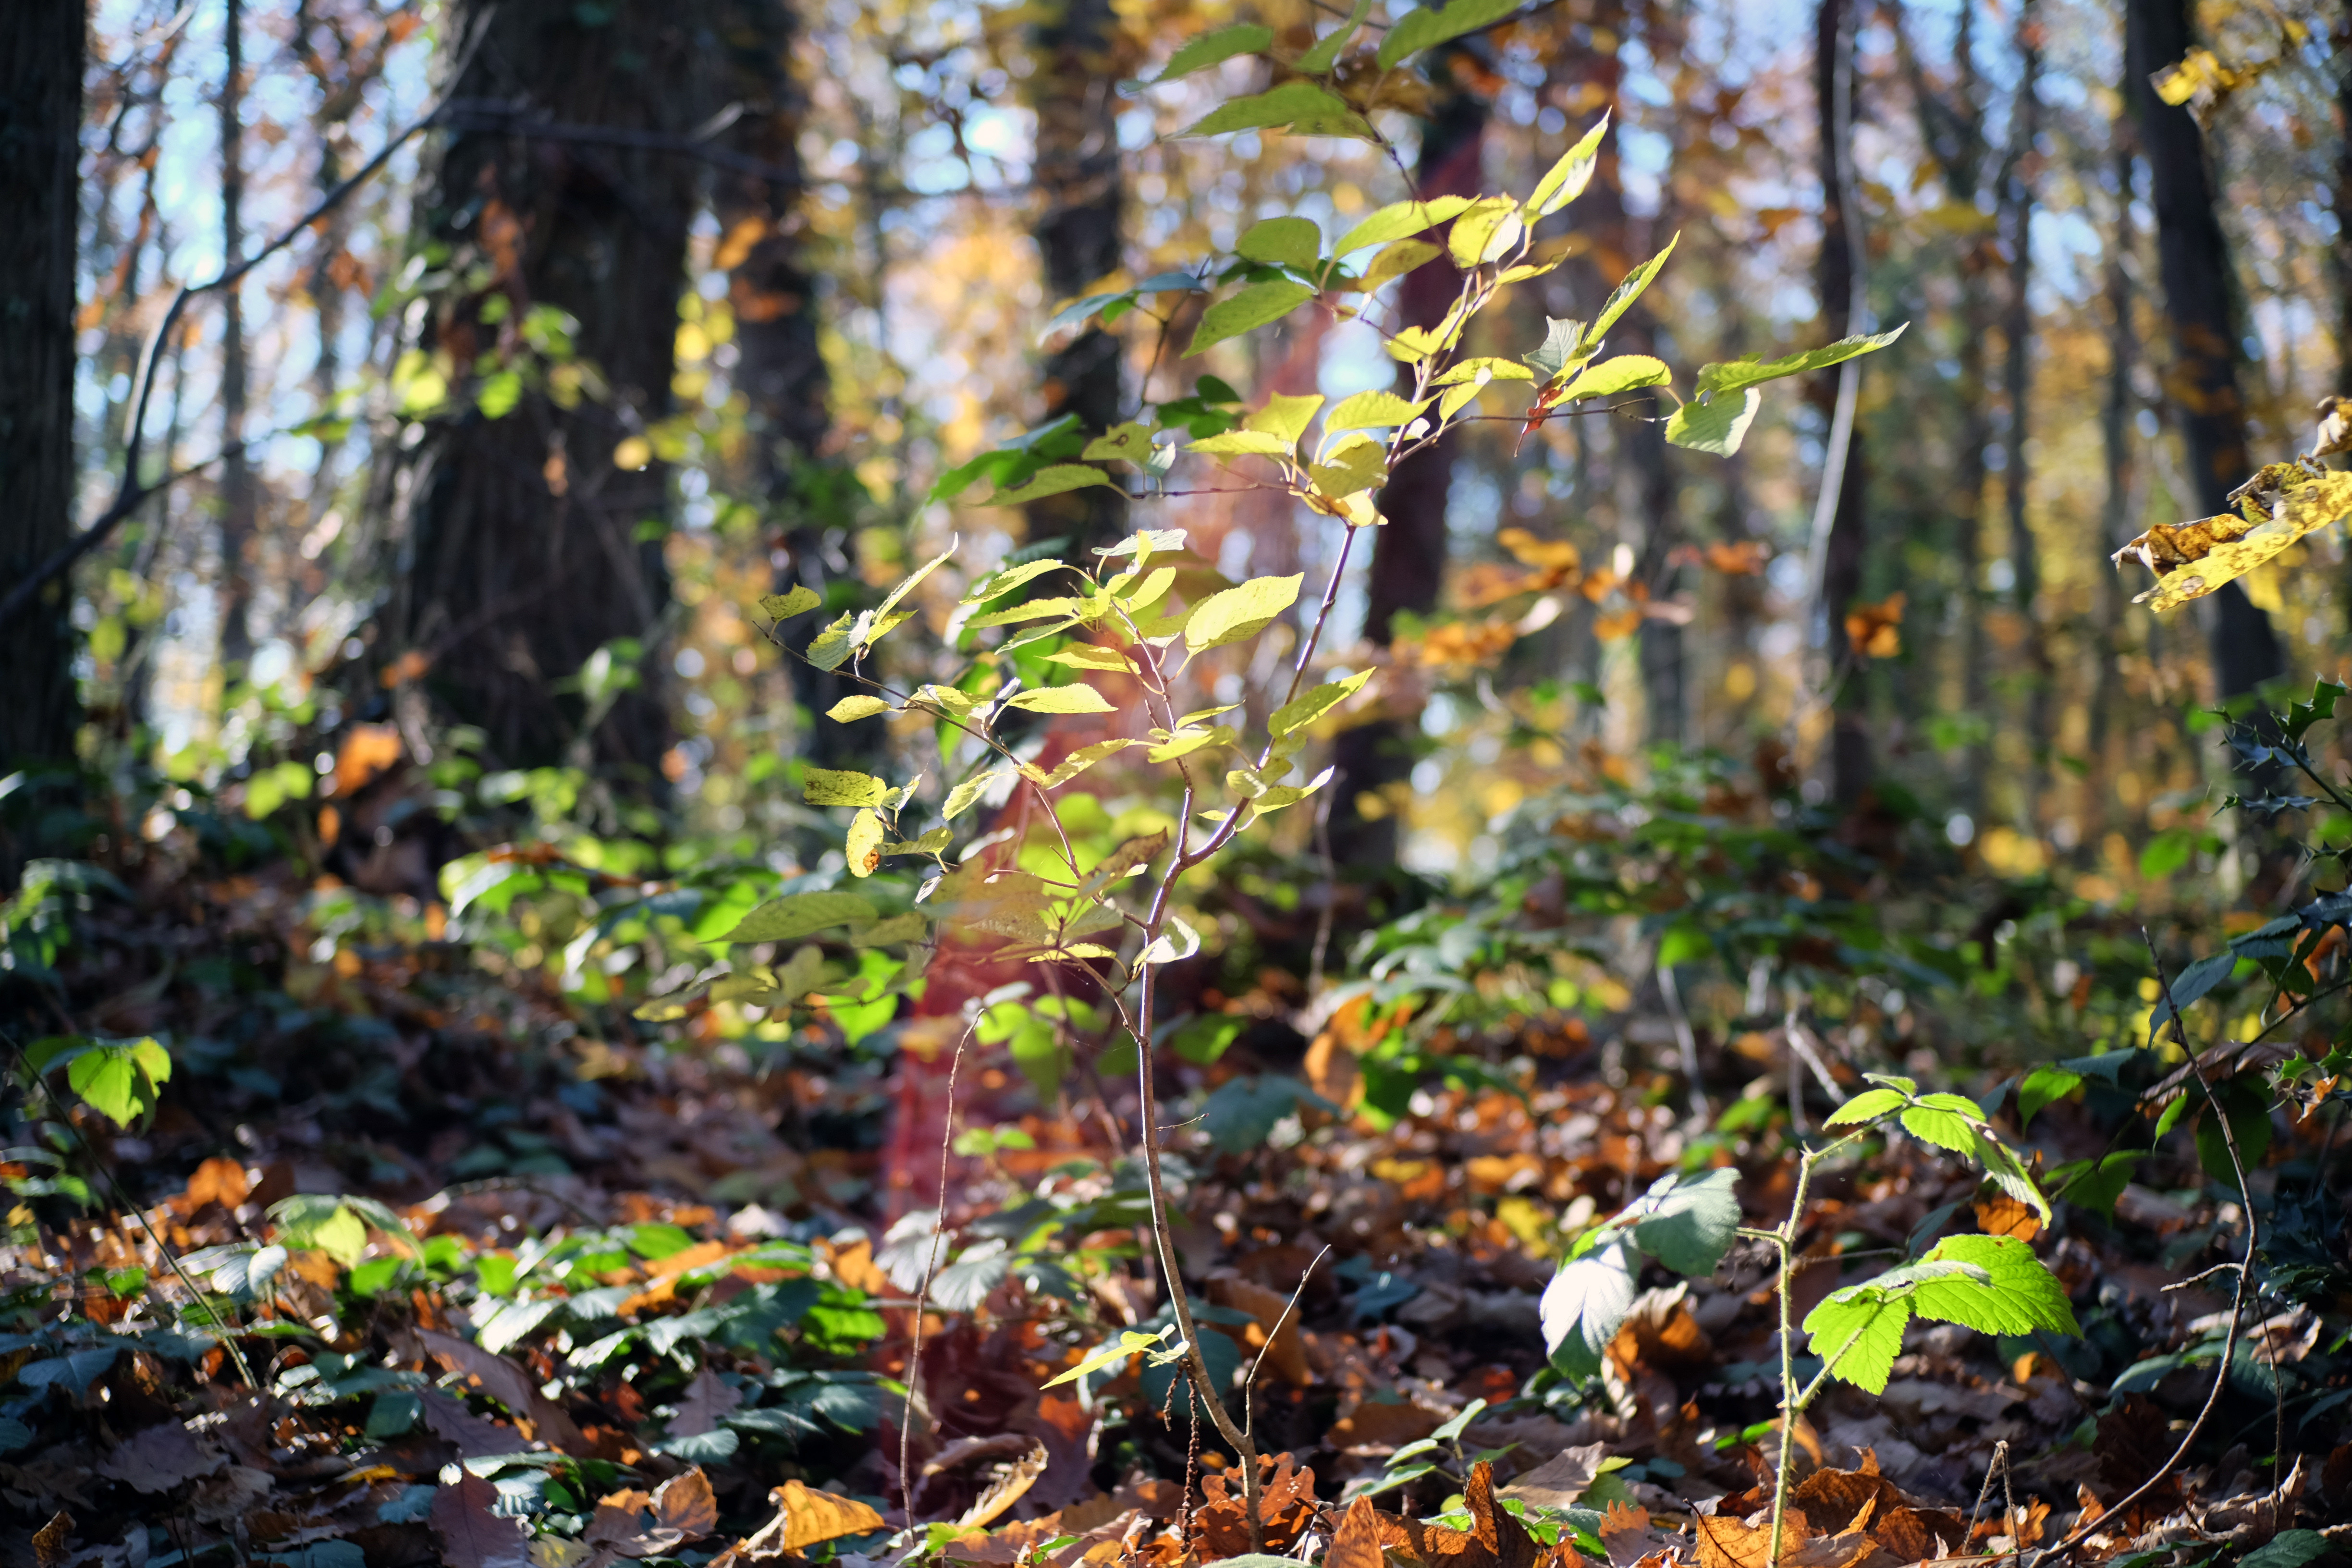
(120,1081)
(1863,1331)
(1867,1106)
(2017,1294)
(1688,1223)
(1585,1305)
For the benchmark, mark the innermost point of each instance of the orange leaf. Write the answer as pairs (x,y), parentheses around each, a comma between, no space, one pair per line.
(1357,1542)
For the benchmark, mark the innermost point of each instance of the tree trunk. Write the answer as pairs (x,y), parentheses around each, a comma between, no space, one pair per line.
(2341,254)
(524,548)
(2017,199)
(41,54)
(2117,513)
(1842,579)
(1409,555)
(2200,308)
(1080,240)
(237,501)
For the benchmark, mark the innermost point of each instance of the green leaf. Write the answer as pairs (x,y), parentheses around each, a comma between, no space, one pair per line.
(784,606)
(1486,230)
(2095,1184)
(2166,853)
(1395,260)
(1306,108)
(1251,309)
(1868,1106)
(830,648)
(1621,300)
(1288,241)
(2287,1549)
(1561,337)
(828,786)
(1271,799)
(2017,1295)
(1285,417)
(1214,48)
(1862,1330)
(1071,699)
(2045,1084)
(1686,1223)
(1434,25)
(996,584)
(1373,411)
(1087,656)
(797,915)
(1481,369)
(2249,1111)
(1399,220)
(1130,443)
(1585,1305)
(1326,52)
(1309,706)
(906,586)
(1240,613)
(342,1237)
(1941,1128)
(851,708)
(1753,370)
(1054,480)
(1184,741)
(120,1081)
(960,799)
(1715,427)
(1610,376)
(1569,176)
(1358,466)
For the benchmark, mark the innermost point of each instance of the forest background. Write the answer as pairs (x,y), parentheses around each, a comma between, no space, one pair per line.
(424,413)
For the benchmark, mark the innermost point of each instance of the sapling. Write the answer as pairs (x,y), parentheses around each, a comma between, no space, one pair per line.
(1993,1284)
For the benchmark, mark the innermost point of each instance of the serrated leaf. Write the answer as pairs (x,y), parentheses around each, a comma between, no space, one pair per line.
(2018,1295)
(1240,613)
(851,708)
(1253,308)
(1087,656)
(906,586)
(1753,370)
(1561,336)
(1715,427)
(1130,443)
(1395,260)
(829,786)
(1585,1305)
(1486,230)
(863,845)
(784,606)
(1863,1331)
(1071,699)
(1621,300)
(1942,1128)
(1326,52)
(996,584)
(960,798)
(1867,1106)
(797,915)
(1144,544)
(1568,178)
(1178,943)
(1621,373)
(1373,411)
(1214,48)
(1285,417)
(1184,741)
(1435,24)
(1399,220)
(1484,367)
(1286,241)
(1034,610)
(830,648)
(1686,1224)
(1307,107)
(1275,798)
(1309,706)
(1054,480)
(120,1081)
(2009,1173)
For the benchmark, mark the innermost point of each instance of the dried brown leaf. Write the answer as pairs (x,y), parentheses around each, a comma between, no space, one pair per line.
(160,1458)
(1357,1542)
(1560,1480)
(707,1399)
(471,1535)
(510,1386)
(1007,1488)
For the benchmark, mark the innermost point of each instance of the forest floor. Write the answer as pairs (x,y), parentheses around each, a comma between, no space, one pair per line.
(619,1302)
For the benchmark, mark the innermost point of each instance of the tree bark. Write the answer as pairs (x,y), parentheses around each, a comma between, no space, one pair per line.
(2116,514)
(1408,563)
(41,57)
(2017,199)
(1080,239)
(237,501)
(2200,308)
(1841,575)
(522,551)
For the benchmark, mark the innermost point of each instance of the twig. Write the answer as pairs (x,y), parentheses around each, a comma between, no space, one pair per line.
(923,1296)
(2238,1298)
(1686,1040)
(1249,1384)
(1999,1461)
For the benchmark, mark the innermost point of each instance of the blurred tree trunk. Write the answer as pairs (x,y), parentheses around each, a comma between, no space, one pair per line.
(525,549)
(237,501)
(1954,131)
(2017,198)
(2118,511)
(1408,564)
(780,368)
(41,53)
(2341,253)
(2200,308)
(1849,746)
(1080,56)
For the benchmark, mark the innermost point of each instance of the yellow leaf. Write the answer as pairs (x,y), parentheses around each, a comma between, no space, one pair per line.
(2194,559)
(633,452)
(809,1517)
(864,847)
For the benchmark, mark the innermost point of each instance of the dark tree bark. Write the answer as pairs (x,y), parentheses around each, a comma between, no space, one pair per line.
(1842,574)
(237,499)
(2342,254)
(2200,307)
(2018,196)
(522,551)
(1408,561)
(41,55)
(1080,240)
(2116,514)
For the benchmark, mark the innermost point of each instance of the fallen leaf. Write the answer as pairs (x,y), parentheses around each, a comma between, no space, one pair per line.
(473,1436)
(471,1535)
(705,1400)
(684,1504)
(510,1386)
(805,1517)
(218,1181)
(1728,1542)
(51,1541)
(160,1458)
(1006,1489)
(1357,1542)
(1287,1505)
(1559,1480)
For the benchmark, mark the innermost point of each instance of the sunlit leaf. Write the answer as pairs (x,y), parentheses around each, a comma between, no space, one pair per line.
(1717,426)
(1129,442)
(1240,613)
(829,786)
(1309,706)
(1754,370)
(1585,1305)
(863,845)
(1435,23)
(797,915)
(1253,308)
(850,708)
(1610,376)
(1302,106)
(1290,241)
(1326,52)
(1071,699)
(1567,179)
(1214,48)
(784,606)
(1054,480)
(1373,411)
(1627,293)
